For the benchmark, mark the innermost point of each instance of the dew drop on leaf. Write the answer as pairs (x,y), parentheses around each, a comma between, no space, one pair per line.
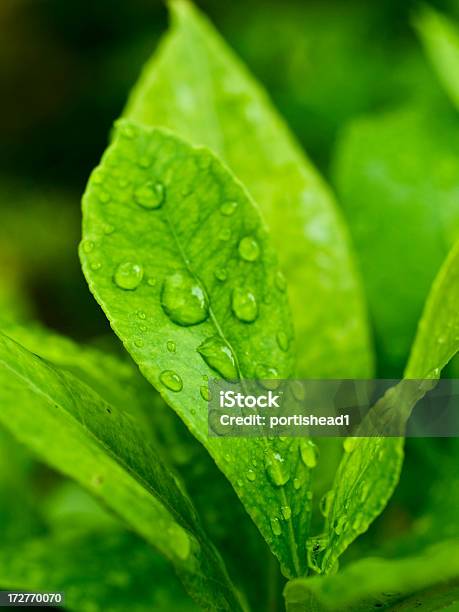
(276,526)
(128,275)
(309,453)
(244,305)
(297,484)
(150,195)
(228,208)
(205,393)
(267,376)
(286,512)
(171,380)
(249,249)
(341,525)
(139,343)
(282,340)
(183,299)
(171,346)
(358,522)
(218,355)
(297,389)
(325,503)
(276,469)
(88,246)
(251,475)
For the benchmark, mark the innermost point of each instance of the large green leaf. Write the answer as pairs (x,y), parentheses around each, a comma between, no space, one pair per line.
(107,572)
(383,584)
(212,302)
(397,176)
(78,433)
(369,470)
(440,38)
(195,86)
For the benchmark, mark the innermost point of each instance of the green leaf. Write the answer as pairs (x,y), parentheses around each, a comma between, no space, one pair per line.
(437,339)
(176,253)
(377,583)
(79,434)
(397,176)
(195,86)
(106,572)
(440,39)
(369,471)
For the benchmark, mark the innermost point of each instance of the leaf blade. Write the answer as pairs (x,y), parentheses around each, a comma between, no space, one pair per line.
(120,469)
(180,374)
(196,86)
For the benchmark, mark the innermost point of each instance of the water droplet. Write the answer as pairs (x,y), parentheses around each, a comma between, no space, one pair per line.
(297,484)
(364,490)
(179,541)
(150,195)
(171,380)
(183,299)
(341,525)
(88,246)
(282,341)
(350,443)
(128,275)
(141,315)
(143,328)
(171,346)
(218,355)
(286,512)
(151,282)
(325,503)
(297,389)
(309,453)
(267,376)
(249,249)
(251,475)
(104,197)
(205,393)
(221,274)
(244,305)
(139,343)
(280,281)
(96,265)
(358,522)
(228,208)
(276,526)
(276,469)
(225,234)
